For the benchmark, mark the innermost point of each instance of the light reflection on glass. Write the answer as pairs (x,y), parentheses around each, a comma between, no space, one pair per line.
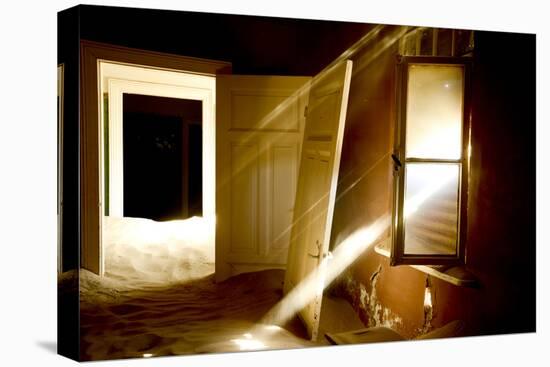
(434,111)
(433,188)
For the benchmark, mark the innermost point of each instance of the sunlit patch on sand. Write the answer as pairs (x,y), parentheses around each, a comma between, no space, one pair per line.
(249,344)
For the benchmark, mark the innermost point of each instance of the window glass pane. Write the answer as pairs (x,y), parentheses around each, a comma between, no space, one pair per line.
(431,208)
(434,111)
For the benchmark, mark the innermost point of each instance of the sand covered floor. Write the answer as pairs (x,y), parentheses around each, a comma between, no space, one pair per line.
(198,316)
(159,298)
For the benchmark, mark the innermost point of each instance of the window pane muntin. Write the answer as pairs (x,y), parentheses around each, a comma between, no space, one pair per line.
(434,111)
(431,208)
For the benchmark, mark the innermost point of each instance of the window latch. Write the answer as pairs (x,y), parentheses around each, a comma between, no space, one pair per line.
(396,161)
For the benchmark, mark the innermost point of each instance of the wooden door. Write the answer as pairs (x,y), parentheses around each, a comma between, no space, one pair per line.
(259,127)
(316,192)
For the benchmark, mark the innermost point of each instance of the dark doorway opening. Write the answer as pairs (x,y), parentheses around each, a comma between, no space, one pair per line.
(162,156)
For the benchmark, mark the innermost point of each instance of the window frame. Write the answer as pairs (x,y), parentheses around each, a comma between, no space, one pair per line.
(397,253)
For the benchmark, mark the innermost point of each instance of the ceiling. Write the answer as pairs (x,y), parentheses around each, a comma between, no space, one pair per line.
(254,45)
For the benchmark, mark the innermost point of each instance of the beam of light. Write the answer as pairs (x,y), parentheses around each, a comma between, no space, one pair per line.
(437,180)
(147,355)
(381,45)
(354,245)
(277,112)
(305,291)
(343,256)
(347,251)
(368,40)
(340,194)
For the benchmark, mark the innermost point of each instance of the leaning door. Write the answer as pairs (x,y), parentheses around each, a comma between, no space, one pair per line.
(259,127)
(316,192)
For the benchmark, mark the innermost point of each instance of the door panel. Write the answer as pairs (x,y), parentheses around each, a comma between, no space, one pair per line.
(284,177)
(255,109)
(323,113)
(260,123)
(316,191)
(244,206)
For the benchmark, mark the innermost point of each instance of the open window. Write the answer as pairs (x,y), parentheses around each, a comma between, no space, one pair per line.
(431,159)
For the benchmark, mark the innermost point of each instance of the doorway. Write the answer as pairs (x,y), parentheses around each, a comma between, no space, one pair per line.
(162,157)
(157,175)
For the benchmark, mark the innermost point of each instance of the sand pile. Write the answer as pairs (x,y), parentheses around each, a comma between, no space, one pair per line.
(138,249)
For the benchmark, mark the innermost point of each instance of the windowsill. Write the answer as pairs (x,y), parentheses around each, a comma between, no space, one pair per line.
(457,275)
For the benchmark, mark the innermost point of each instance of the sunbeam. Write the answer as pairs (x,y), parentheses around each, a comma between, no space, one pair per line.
(343,256)
(368,38)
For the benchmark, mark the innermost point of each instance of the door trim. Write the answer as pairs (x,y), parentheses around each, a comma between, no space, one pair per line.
(118,79)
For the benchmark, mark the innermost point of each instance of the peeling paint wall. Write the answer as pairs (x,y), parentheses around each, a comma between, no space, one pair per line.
(371,311)
(501,207)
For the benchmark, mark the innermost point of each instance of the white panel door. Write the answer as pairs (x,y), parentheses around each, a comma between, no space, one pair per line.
(316,192)
(259,127)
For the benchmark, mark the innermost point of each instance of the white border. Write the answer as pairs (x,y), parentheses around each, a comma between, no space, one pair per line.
(29,205)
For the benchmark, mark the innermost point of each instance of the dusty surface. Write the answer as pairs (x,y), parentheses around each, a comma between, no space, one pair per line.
(158,297)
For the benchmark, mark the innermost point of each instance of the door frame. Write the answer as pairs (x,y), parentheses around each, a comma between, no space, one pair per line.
(117,79)
(91,155)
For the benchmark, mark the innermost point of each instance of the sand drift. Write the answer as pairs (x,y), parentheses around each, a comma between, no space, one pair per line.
(158,297)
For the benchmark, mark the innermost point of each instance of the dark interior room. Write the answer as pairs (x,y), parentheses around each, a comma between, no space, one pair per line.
(335,183)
